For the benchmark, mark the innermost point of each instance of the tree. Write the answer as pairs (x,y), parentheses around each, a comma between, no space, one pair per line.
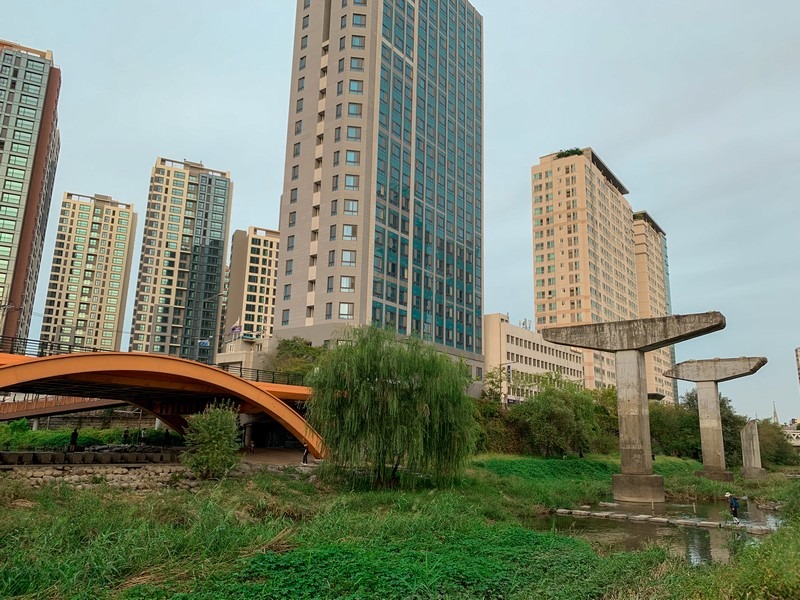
(493,385)
(560,417)
(212,441)
(293,355)
(775,448)
(379,401)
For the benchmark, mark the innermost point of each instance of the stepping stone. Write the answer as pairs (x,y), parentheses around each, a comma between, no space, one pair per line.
(639,518)
(563,511)
(603,514)
(709,524)
(580,513)
(618,516)
(659,520)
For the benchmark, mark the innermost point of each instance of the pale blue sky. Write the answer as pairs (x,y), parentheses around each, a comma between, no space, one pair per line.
(694,106)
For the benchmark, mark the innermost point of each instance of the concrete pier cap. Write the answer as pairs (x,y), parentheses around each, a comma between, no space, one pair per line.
(716,369)
(639,334)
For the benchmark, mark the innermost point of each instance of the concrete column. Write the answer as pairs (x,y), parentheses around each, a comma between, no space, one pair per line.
(634,415)
(751,452)
(158,425)
(630,340)
(707,374)
(711,431)
(247,423)
(35,424)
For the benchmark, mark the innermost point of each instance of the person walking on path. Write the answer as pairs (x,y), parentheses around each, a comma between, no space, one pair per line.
(305,454)
(126,437)
(733,502)
(73,440)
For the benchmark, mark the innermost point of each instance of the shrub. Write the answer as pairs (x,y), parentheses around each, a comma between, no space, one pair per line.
(212,441)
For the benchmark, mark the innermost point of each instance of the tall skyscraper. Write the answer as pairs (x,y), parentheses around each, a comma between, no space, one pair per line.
(652,284)
(182,266)
(382,207)
(88,288)
(252,281)
(29,146)
(585,245)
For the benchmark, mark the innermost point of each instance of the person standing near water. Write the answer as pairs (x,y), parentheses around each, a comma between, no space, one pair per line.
(733,503)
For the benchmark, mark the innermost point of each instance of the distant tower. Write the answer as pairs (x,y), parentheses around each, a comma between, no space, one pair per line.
(797,361)
(775,414)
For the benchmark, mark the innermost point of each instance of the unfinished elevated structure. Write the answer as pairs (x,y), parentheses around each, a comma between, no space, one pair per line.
(629,340)
(707,374)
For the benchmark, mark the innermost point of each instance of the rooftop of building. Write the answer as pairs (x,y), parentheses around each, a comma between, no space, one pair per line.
(191,165)
(643,215)
(45,54)
(596,161)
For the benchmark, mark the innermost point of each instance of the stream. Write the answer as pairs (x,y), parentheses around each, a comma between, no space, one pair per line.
(696,545)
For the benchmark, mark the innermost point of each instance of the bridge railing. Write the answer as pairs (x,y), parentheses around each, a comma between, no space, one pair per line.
(41,348)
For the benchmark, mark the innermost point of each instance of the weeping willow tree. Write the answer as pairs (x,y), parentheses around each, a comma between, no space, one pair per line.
(380,402)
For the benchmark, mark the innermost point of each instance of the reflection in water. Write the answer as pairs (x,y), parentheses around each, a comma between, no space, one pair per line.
(696,545)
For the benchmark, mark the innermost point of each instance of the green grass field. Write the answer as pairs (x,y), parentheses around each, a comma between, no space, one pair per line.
(284,536)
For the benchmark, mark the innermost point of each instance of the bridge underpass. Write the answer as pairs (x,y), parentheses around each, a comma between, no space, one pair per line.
(166,387)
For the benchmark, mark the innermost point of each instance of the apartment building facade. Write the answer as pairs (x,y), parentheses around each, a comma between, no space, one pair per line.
(91,270)
(181,278)
(252,282)
(519,352)
(382,207)
(30,84)
(585,253)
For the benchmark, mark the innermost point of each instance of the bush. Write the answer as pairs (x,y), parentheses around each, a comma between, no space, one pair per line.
(212,441)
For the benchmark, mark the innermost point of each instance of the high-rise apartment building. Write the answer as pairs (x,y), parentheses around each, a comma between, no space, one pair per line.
(585,254)
(252,281)
(88,288)
(29,147)
(182,267)
(652,283)
(382,207)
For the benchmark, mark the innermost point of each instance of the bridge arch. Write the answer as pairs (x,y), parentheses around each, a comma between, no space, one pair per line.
(152,371)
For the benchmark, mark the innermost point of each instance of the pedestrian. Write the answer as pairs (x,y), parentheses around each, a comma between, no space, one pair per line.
(73,440)
(126,437)
(305,454)
(167,439)
(733,503)
(252,447)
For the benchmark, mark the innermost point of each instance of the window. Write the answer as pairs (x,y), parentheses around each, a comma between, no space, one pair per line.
(353,109)
(337,134)
(304,42)
(289,267)
(293,195)
(290,243)
(335,183)
(334,207)
(336,155)
(343,22)
(339,88)
(356,86)
(301,84)
(302,63)
(285,317)
(358,41)
(353,158)
(351,182)
(356,63)
(349,232)
(341,65)
(332,236)
(330,284)
(342,42)
(353,134)
(338,111)
(346,310)
(298,127)
(359,20)
(287,291)
(347,284)
(331,258)
(351,207)
(305,22)
(348,258)
(328,311)
(292,218)
(296,150)
(295,172)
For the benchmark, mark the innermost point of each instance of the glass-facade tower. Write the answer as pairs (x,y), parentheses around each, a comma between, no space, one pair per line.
(182,267)
(381,215)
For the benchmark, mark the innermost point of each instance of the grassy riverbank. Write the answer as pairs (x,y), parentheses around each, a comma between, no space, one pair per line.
(287,536)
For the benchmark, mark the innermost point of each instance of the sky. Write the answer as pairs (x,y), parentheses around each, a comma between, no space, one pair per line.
(693,105)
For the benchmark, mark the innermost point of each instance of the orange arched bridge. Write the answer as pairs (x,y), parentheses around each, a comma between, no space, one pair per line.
(168,388)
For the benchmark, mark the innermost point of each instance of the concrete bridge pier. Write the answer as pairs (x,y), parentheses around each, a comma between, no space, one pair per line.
(707,374)
(751,452)
(629,340)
